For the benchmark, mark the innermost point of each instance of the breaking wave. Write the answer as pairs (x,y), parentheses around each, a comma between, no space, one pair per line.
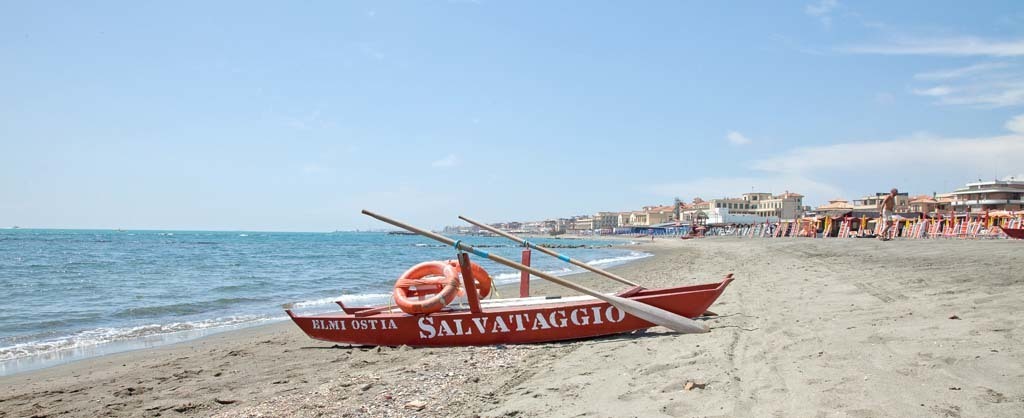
(99,336)
(355,300)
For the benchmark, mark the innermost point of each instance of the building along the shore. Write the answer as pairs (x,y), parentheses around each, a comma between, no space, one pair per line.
(583,224)
(835,207)
(870,203)
(606,221)
(922,204)
(989,195)
(788,205)
(748,209)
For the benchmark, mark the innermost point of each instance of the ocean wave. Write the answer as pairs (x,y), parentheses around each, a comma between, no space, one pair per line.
(178,309)
(634,255)
(506,278)
(48,325)
(355,300)
(99,336)
(256,284)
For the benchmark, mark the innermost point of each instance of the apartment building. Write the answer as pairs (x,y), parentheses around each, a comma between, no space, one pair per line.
(606,220)
(788,205)
(583,224)
(750,208)
(989,195)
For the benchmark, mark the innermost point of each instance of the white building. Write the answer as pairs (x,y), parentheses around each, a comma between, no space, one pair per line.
(718,216)
(990,195)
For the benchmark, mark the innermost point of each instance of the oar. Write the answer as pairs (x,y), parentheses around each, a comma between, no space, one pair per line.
(549,252)
(643,311)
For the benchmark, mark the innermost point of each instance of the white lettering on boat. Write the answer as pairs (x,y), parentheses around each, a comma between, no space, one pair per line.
(481,324)
(355,324)
(499,326)
(557,319)
(597,315)
(458,328)
(578,319)
(433,327)
(427,327)
(519,322)
(539,322)
(608,313)
(445,329)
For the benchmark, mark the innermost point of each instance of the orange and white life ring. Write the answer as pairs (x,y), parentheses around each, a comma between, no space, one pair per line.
(427,287)
(480,278)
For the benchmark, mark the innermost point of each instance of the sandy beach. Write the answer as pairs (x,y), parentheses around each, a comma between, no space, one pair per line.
(836,327)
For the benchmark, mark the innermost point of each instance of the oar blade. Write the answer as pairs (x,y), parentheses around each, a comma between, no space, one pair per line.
(659,316)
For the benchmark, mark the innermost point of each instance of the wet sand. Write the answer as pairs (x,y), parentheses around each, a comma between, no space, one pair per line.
(850,327)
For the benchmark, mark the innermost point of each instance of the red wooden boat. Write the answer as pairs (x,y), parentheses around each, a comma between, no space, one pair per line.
(1017,233)
(504,321)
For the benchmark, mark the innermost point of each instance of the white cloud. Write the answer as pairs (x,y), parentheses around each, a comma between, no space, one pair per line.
(963,46)
(919,151)
(822,10)
(920,163)
(934,91)
(989,95)
(736,138)
(1016,124)
(977,86)
(983,85)
(955,73)
(450,161)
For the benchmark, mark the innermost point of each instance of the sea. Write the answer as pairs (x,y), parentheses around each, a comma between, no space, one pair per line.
(74,294)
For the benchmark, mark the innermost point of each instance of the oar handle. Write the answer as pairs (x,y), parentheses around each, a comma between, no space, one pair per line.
(550,252)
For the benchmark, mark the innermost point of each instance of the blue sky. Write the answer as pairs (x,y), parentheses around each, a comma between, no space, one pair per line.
(271,116)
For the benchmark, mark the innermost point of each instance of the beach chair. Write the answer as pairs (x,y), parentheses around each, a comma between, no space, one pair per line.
(934,228)
(844,228)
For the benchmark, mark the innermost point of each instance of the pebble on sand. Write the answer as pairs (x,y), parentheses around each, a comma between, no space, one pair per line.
(416,405)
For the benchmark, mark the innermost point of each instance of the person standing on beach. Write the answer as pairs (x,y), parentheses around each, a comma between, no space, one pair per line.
(886,207)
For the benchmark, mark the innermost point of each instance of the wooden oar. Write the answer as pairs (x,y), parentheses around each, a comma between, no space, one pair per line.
(549,252)
(643,311)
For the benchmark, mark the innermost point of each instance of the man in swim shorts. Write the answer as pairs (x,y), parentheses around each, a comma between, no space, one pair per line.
(886,206)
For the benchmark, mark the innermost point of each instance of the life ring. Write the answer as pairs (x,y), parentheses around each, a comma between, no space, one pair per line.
(436,280)
(480,278)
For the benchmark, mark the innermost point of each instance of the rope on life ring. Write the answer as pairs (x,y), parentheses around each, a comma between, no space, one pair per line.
(434,284)
(480,278)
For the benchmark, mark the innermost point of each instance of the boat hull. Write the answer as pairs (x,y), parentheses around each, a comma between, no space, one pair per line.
(1014,232)
(505,325)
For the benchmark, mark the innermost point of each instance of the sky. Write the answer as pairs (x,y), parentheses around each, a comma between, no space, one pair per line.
(292,117)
